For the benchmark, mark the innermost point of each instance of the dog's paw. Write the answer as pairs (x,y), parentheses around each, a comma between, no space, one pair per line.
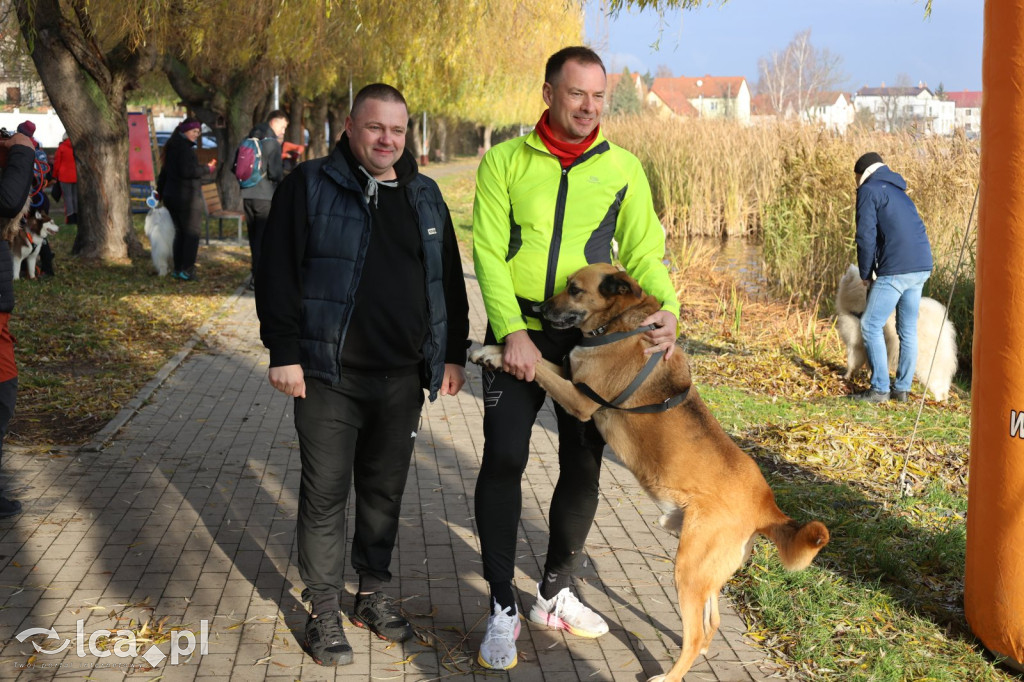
(488,357)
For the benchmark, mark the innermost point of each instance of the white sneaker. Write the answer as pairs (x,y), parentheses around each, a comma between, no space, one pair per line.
(566,612)
(498,650)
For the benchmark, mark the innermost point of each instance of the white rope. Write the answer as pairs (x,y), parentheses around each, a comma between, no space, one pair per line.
(904,488)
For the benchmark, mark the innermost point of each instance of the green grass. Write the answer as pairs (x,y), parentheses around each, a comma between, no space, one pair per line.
(90,337)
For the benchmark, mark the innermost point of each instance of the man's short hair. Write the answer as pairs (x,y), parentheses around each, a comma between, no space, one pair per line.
(576,53)
(277,113)
(378,91)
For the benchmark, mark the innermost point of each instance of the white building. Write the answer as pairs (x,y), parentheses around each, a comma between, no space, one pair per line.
(967,115)
(907,107)
(704,97)
(833,110)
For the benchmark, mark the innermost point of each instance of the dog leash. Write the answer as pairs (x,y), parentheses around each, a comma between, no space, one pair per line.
(597,337)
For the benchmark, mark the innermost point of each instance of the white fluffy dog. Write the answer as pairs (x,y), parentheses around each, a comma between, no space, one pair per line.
(160,231)
(935,337)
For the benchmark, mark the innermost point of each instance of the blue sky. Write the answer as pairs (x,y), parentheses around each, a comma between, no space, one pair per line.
(877,39)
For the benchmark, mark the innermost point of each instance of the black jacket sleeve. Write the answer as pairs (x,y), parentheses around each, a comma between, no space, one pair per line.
(279,277)
(17,180)
(456,301)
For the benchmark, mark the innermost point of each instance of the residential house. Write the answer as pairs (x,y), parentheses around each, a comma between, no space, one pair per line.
(967,114)
(833,110)
(636,78)
(703,97)
(906,107)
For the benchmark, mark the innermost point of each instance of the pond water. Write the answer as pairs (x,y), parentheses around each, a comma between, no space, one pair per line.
(742,259)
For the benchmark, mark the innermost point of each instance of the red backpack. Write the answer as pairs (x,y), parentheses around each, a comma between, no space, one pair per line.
(248,166)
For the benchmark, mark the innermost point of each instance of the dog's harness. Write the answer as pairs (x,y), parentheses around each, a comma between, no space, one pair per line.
(597,337)
(28,235)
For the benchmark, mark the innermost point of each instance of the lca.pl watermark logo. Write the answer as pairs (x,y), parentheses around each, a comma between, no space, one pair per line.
(122,644)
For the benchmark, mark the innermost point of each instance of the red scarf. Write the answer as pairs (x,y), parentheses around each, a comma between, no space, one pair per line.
(567,152)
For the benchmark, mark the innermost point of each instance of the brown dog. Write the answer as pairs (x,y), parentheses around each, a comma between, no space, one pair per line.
(713,493)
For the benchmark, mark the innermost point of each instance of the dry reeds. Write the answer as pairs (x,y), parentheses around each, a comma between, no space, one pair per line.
(793,186)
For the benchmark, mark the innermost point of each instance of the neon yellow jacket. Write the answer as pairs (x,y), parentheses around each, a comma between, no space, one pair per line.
(534,224)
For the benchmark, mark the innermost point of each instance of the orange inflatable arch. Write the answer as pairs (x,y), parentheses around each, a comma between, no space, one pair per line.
(994,581)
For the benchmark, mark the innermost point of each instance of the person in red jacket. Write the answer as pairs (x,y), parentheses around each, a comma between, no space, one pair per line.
(66,174)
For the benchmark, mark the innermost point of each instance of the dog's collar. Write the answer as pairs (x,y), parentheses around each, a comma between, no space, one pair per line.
(597,337)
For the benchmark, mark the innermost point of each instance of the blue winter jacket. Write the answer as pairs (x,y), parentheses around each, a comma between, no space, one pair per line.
(891,237)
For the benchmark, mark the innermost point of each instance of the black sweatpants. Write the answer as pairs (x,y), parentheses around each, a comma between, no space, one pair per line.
(256,213)
(360,432)
(188,220)
(510,409)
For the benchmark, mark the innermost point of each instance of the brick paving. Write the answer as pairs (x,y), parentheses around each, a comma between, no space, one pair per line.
(183,512)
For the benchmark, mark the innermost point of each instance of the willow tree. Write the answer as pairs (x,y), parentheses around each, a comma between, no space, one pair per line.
(222,62)
(89,54)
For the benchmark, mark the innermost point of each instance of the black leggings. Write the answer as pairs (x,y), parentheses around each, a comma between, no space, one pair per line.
(510,409)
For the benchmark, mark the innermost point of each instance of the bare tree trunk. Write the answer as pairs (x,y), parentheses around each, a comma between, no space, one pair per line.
(440,145)
(336,122)
(487,131)
(87,89)
(414,139)
(317,123)
(296,131)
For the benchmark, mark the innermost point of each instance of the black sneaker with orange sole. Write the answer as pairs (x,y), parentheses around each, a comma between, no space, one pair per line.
(325,640)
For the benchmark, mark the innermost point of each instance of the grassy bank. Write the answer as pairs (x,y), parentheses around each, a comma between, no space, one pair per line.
(90,337)
(884,600)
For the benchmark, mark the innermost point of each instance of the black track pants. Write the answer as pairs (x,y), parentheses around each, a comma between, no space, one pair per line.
(510,409)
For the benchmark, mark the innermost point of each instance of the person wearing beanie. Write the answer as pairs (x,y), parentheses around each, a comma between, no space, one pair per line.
(895,260)
(180,186)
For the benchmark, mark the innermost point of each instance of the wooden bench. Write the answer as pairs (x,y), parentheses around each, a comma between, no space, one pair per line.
(215,211)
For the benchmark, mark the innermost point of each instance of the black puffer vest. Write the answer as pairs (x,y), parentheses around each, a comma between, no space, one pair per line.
(339,234)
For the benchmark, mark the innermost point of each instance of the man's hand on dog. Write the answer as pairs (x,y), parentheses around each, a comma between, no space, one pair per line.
(520,356)
(289,379)
(664,336)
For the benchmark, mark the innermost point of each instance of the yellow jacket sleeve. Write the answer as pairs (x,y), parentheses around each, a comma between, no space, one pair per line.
(491,233)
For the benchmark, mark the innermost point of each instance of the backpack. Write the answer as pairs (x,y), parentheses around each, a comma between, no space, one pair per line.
(248,166)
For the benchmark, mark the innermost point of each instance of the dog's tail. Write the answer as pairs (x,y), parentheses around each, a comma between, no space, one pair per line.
(797,544)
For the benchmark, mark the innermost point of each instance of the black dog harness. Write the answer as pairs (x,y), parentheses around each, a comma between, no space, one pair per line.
(597,337)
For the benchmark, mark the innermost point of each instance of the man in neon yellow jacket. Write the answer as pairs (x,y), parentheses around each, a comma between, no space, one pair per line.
(546,205)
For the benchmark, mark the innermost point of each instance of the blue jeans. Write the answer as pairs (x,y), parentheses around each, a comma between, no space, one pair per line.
(901,293)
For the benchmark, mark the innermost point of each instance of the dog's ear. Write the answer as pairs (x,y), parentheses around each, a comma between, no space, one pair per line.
(617,285)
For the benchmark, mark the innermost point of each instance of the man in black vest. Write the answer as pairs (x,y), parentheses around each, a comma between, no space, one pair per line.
(362,305)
